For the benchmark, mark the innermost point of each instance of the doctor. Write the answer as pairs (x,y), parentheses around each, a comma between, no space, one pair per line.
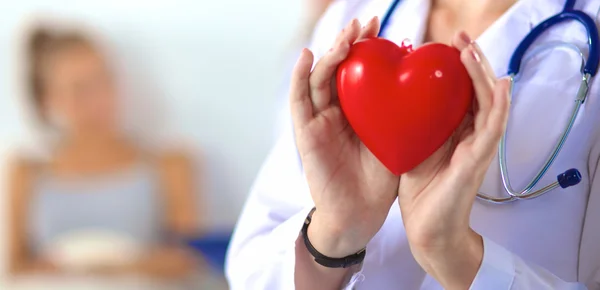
(426,229)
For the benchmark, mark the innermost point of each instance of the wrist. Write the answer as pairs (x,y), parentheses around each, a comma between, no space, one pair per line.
(334,240)
(455,267)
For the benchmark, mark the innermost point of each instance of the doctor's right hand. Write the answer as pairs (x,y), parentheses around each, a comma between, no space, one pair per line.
(352,191)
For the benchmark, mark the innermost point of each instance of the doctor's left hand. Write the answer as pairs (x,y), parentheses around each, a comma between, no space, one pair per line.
(352,191)
(437,196)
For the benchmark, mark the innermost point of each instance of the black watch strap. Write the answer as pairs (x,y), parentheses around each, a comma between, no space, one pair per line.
(325,261)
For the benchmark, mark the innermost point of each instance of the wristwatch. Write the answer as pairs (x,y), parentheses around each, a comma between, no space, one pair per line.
(325,261)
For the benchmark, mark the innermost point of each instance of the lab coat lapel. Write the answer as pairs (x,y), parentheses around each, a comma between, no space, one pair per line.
(501,39)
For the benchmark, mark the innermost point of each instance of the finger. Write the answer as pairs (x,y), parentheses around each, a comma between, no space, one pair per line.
(488,138)
(349,33)
(322,77)
(300,101)
(484,61)
(482,83)
(461,41)
(370,30)
(341,36)
(500,103)
(353,31)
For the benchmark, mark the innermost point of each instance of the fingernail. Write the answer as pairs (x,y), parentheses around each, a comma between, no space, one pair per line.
(464,37)
(371,21)
(474,54)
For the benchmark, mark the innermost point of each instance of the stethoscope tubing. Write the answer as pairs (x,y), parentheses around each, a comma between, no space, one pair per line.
(589,69)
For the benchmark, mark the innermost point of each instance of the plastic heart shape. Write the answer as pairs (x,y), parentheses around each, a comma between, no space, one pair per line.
(402,103)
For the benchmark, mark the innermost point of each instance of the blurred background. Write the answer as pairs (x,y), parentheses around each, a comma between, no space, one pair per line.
(131,132)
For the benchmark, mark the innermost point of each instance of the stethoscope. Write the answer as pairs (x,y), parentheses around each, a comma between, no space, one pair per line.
(589,68)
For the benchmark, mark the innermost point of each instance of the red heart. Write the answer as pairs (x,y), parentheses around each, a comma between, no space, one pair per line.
(402,103)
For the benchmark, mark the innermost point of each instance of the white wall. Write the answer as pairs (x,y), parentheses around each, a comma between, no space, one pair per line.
(215,66)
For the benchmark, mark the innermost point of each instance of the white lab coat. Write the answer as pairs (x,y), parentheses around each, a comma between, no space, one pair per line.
(552,242)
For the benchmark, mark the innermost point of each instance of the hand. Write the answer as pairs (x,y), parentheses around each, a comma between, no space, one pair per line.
(437,196)
(353,192)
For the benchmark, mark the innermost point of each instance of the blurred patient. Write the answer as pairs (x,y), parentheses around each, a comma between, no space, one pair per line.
(100,204)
